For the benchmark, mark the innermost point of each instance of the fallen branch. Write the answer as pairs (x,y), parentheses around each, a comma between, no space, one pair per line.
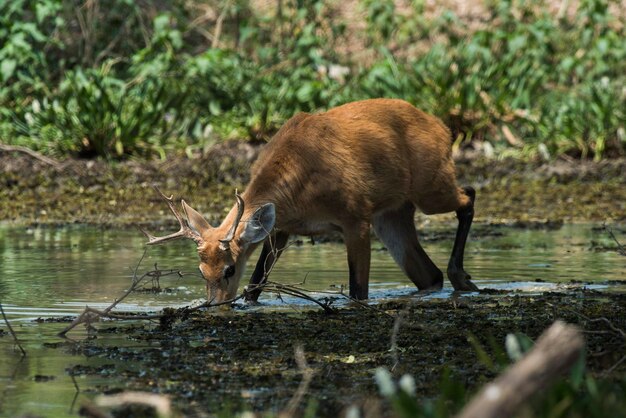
(556,350)
(613,328)
(93,315)
(90,314)
(620,248)
(394,338)
(295,292)
(16,148)
(17,341)
(303,388)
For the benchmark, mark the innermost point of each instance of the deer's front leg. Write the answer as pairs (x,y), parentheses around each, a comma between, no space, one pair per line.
(273,247)
(357,238)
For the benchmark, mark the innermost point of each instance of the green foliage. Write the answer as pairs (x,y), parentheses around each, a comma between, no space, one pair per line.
(137,78)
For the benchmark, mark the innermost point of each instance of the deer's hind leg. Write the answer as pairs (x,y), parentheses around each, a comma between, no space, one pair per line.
(396,229)
(450,198)
(465,214)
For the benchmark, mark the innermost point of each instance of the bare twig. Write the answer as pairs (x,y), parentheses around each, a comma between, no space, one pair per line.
(76,394)
(613,330)
(17,341)
(610,370)
(612,327)
(16,148)
(556,350)
(74,382)
(620,248)
(91,314)
(296,292)
(219,23)
(394,338)
(274,253)
(303,388)
(608,323)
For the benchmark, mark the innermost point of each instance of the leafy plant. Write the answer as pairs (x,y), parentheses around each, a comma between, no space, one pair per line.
(102,81)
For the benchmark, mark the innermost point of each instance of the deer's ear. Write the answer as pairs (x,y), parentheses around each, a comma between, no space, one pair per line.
(195,220)
(260,224)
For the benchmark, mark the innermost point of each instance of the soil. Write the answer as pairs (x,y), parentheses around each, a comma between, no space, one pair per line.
(214,362)
(118,193)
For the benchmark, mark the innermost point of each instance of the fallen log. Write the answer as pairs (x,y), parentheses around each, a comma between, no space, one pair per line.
(554,353)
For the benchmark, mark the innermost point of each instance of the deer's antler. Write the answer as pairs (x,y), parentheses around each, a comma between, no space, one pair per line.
(185,230)
(225,242)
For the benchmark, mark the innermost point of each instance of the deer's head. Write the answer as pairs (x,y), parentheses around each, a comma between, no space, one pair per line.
(222,250)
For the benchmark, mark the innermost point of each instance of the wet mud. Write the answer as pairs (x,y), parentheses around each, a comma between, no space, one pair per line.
(210,362)
(118,193)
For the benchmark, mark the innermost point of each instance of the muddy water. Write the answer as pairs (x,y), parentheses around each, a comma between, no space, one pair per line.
(54,272)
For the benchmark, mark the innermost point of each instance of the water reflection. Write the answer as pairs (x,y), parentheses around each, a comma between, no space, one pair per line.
(57,271)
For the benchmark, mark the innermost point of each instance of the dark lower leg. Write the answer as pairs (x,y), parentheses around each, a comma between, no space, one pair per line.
(421,269)
(359,248)
(272,249)
(396,230)
(457,275)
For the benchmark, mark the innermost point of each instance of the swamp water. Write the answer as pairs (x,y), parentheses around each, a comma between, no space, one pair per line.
(55,272)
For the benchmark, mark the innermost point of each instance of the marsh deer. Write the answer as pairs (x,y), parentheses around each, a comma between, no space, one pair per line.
(371,162)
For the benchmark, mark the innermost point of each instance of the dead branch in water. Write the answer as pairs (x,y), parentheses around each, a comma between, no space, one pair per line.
(297,292)
(620,248)
(90,314)
(6,321)
(556,350)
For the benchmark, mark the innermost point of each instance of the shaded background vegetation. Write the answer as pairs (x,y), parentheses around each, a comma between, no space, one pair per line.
(122,78)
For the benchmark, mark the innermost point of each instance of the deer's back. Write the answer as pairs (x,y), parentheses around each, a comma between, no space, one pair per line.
(355,159)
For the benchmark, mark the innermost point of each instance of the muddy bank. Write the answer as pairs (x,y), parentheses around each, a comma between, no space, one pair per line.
(245,360)
(118,193)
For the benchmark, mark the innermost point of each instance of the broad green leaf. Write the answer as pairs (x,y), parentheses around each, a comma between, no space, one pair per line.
(7,68)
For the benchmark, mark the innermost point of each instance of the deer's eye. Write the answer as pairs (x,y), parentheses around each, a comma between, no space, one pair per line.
(229,271)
